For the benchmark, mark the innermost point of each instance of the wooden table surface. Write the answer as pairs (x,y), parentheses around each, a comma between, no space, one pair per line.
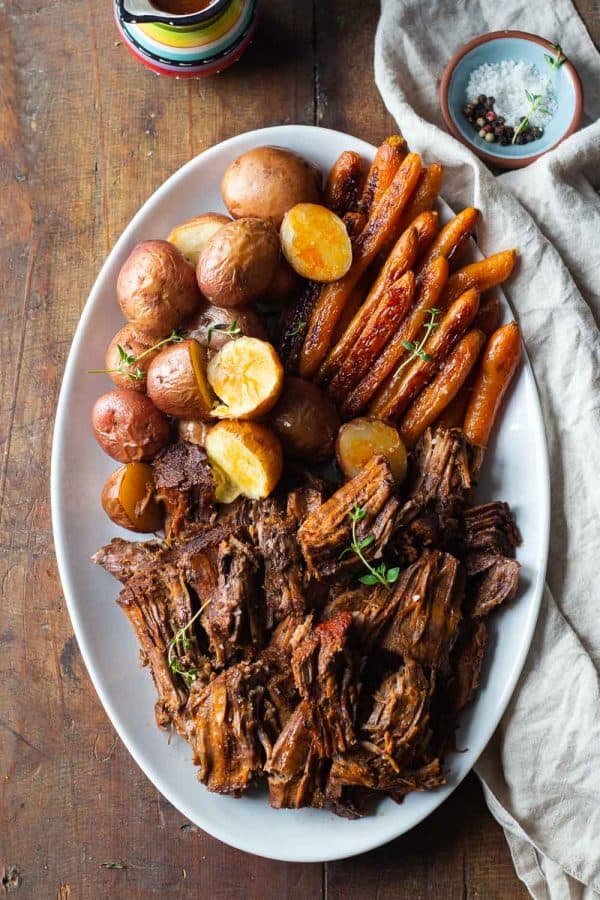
(86,135)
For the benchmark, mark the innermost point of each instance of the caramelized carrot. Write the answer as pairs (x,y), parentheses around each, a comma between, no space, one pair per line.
(481,275)
(383,168)
(429,287)
(404,384)
(453,235)
(400,260)
(425,195)
(434,398)
(498,365)
(344,183)
(392,309)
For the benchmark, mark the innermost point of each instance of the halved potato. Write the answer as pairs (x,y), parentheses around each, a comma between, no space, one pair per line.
(365,437)
(191,237)
(177,382)
(247,376)
(315,242)
(248,454)
(128,498)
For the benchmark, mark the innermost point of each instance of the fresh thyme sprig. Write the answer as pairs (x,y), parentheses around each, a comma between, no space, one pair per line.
(233,330)
(297,329)
(555,62)
(416,349)
(127,360)
(535,105)
(377,574)
(180,640)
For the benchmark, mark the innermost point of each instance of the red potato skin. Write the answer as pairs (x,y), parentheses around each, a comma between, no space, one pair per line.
(157,288)
(129,427)
(134,342)
(305,420)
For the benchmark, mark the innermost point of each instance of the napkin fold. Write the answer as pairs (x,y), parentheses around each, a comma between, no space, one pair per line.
(541,770)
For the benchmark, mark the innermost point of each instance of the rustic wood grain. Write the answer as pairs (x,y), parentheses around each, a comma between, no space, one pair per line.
(86,134)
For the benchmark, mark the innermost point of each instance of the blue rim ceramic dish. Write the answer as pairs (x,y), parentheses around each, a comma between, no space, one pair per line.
(520,46)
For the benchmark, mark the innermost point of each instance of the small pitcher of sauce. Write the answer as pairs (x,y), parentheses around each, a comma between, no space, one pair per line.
(186,38)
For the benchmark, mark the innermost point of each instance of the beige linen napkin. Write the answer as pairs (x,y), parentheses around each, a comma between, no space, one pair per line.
(541,771)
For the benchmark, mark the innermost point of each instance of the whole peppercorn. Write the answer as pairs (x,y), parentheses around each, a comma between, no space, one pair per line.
(482,98)
(482,133)
(489,129)
(490,137)
(480,121)
(500,120)
(490,115)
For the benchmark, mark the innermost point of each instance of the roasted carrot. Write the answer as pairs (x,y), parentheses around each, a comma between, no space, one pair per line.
(404,384)
(425,195)
(294,323)
(434,398)
(392,308)
(498,364)
(453,235)
(383,168)
(427,226)
(400,260)
(354,303)
(429,287)
(481,275)
(486,321)
(344,183)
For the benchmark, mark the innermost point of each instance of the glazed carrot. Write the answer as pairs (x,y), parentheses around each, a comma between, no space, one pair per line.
(294,323)
(434,398)
(486,321)
(400,260)
(427,225)
(392,309)
(498,364)
(453,235)
(370,241)
(344,183)
(429,288)
(481,275)
(383,168)
(404,384)
(354,303)
(425,195)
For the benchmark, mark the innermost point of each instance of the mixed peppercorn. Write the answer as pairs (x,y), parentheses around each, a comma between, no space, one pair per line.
(493,128)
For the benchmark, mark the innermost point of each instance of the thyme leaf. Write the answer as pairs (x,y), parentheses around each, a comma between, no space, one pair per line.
(376,574)
(415,349)
(182,641)
(233,330)
(296,330)
(555,62)
(127,360)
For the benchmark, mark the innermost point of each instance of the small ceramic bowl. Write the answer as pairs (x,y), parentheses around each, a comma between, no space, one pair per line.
(493,48)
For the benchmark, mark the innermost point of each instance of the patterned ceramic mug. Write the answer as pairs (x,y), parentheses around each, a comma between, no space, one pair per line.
(186,38)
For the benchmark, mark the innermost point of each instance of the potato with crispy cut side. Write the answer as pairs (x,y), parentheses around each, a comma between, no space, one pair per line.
(214,326)
(177,381)
(128,498)
(156,287)
(315,242)
(365,437)
(248,455)
(267,181)
(129,427)
(191,237)
(136,343)
(247,376)
(305,420)
(238,263)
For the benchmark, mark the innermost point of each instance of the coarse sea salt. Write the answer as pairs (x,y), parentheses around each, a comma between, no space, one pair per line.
(507,81)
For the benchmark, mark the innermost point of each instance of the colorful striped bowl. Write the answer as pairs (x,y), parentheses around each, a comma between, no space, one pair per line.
(189,50)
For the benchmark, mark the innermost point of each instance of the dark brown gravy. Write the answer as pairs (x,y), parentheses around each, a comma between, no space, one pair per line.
(181,7)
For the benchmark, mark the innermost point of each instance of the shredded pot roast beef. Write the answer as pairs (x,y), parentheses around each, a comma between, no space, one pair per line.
(271,655)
